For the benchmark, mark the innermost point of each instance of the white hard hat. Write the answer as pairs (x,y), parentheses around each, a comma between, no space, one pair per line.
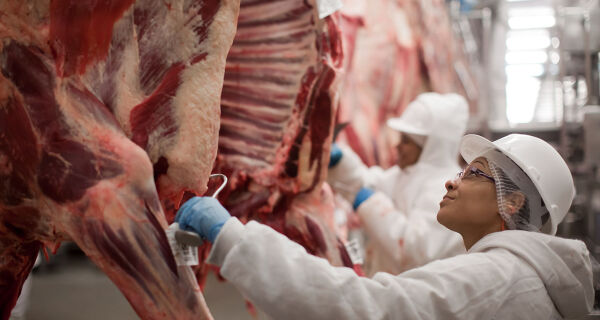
(542,164)
(418,116)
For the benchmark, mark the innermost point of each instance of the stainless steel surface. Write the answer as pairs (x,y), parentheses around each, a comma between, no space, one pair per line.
(222,176)
(474,27)
(591,163)
(591,129)
(578,24)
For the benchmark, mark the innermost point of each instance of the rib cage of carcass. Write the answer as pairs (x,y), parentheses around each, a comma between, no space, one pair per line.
(79,80)
(393,50)
(277,110)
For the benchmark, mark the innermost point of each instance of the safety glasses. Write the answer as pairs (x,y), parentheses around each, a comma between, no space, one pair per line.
(472,172)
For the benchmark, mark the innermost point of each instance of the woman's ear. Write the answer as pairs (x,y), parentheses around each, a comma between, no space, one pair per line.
(514,201)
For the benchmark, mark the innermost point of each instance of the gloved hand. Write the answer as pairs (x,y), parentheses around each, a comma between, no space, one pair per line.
(203,215)
(335,155)
(346,172)
(362,195)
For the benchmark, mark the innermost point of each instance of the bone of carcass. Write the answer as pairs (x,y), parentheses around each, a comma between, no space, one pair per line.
(162,79)
(68,171)
(381,74)
(277,109)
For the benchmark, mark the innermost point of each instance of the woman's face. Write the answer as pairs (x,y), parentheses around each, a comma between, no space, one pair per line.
(408,151)
(470,205)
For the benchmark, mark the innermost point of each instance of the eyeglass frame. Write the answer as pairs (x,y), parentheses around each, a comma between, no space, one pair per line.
(475,171)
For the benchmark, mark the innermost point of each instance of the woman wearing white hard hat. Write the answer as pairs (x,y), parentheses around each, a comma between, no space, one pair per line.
(398,206)
(505,205)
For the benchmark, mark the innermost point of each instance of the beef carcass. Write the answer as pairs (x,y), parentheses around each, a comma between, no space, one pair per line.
(443,56)
(277,108)
(381,74)
(162,79)
(68,171)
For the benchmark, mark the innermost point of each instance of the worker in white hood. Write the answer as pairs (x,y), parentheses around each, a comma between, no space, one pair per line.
(525,273)
(398,206)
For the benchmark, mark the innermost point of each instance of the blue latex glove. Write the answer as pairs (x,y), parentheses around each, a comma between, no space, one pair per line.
(203,215)
(335,155)
(362,195)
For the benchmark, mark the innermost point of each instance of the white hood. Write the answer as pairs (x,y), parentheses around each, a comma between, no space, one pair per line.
(440,117)
(563,265)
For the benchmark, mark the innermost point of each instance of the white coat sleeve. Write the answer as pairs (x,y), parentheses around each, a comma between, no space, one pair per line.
(409,239)
(350,174)
(285,282)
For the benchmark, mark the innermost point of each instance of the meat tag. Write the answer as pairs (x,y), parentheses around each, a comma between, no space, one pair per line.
(184,255)
(354,251)
(327,7)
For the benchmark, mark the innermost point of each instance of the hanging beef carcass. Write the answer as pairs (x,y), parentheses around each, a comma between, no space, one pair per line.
(162,79)
(381,74)
(68,171)
(444,62)
(277,110)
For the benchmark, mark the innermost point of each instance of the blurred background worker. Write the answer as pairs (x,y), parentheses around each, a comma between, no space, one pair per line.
(398,206)
(518,183)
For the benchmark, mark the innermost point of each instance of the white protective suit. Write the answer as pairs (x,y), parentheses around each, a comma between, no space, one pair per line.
(506,275)
(399,220)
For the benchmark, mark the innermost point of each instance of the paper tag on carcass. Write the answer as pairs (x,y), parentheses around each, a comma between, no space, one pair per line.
(354,251)
(327,7)
(184,255)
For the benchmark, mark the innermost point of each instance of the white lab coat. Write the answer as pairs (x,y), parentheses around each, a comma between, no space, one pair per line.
(400,221)
(506,275)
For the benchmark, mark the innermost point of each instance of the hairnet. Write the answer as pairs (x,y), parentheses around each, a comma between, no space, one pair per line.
(511,179)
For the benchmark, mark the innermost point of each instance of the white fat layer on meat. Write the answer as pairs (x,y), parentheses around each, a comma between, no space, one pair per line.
(128,91)
(247,162)
(192,151)
(404,33)
(354,8)
(26,21)
(306,168)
